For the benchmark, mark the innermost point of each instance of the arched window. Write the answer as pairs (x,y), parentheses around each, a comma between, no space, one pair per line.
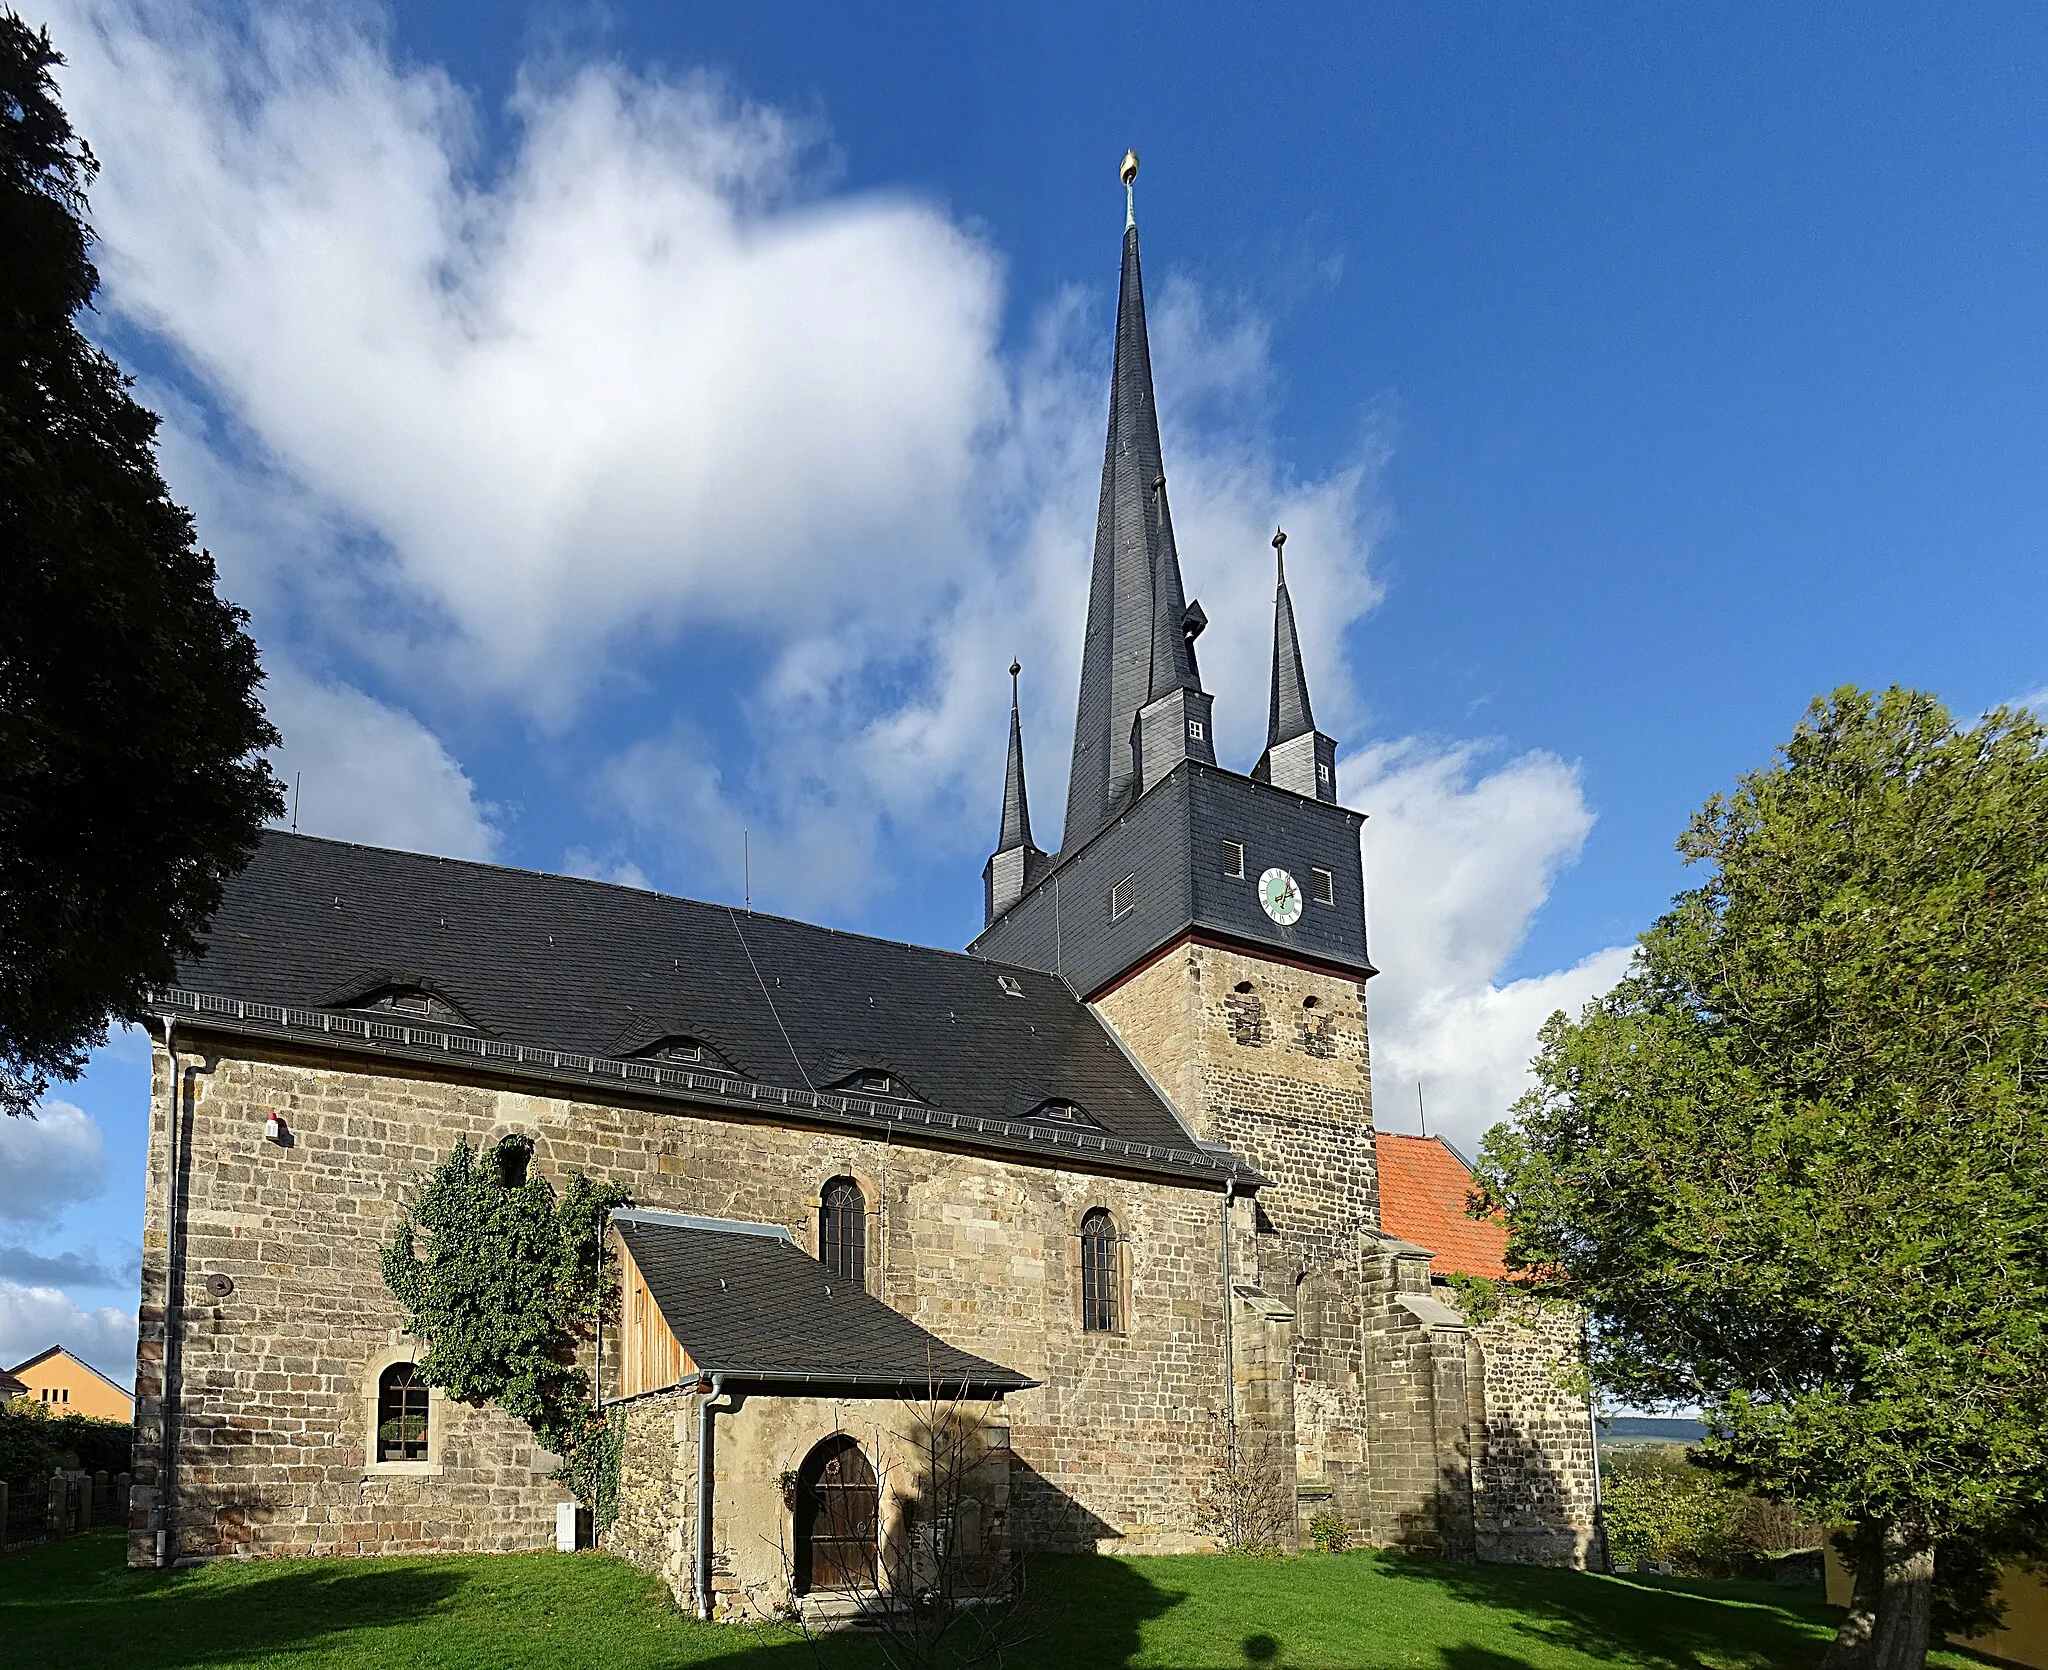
(843,1231)
(1101,1279)
(401,1414)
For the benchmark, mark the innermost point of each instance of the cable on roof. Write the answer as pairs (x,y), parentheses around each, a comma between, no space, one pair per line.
(763,984)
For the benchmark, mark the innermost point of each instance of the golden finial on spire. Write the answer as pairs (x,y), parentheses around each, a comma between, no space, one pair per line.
(1128,173)
(1280,552)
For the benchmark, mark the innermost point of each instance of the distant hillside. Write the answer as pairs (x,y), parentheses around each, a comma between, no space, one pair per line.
(1649,1429)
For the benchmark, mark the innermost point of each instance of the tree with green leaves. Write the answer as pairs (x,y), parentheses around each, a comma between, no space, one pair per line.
(504,1281)
(132,783)
(1796,1164)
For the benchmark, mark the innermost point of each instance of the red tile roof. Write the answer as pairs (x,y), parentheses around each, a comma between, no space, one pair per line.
(1423,1186)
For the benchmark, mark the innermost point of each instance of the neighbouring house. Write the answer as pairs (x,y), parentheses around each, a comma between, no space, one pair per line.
(72,1386)
(10,1388)
(1110,1174)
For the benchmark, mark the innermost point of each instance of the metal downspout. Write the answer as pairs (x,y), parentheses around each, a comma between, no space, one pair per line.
(706,1408)
(1229,1330)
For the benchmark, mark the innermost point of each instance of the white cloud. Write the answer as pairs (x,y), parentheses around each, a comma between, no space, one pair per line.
(2036,700)
(636,377)
(49,1162)
(1458,861)
(33,1319)
(621,872)
(367,772)
(73,1268)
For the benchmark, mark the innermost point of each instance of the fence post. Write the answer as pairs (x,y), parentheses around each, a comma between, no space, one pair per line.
(3,1516)
(60,1497)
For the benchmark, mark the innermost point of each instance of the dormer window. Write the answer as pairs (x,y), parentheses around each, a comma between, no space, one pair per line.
(874,1081)
(678,1052)
(680,1049)
(1063,1112)
(412,1004)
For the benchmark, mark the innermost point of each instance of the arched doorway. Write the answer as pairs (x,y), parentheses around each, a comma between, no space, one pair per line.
(837,1507)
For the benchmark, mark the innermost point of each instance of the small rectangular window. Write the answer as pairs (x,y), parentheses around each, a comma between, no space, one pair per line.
(1233,859)
(1195,729)
(1325,886)
(1122,897)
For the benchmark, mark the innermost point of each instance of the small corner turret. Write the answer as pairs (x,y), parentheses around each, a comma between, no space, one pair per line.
(1298,757)
(1016,861)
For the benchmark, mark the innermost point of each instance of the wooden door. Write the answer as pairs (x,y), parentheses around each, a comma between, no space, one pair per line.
(837,1508)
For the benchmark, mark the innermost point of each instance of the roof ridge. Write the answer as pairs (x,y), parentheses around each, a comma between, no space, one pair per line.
(672,898)
(45,1355)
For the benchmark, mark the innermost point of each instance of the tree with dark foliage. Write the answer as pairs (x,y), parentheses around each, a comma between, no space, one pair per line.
(1796,1163)
(131,778)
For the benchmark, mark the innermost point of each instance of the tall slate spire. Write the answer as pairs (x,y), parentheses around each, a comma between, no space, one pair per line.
(1298,757)
(1015,864)
(1137,660)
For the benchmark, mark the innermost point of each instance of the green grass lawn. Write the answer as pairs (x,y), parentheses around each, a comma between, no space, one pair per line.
(73,1604)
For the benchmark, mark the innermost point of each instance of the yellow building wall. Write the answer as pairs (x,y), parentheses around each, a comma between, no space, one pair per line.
(68,1387)
(2022,1639)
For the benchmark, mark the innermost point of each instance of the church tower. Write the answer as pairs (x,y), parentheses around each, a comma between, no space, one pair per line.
(1215,920)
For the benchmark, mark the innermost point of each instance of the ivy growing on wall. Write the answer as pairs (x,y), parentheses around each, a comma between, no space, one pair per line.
(504,1282)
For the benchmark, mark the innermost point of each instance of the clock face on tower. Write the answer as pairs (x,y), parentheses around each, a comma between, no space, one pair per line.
(1280,897)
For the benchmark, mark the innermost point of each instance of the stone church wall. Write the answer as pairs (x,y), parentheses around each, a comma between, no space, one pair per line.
(657,1524)
(1534,1478)
(1412,1427)
(1274,1060)
(272,1433)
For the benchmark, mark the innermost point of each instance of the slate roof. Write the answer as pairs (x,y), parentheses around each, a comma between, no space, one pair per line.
(743,1301)
(566,978)
(1423,1185)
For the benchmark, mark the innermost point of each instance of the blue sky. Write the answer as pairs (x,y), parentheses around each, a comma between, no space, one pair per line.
(629,426)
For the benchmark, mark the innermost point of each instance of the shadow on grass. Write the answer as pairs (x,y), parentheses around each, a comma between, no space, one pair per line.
(75,1602)
(1658,1623)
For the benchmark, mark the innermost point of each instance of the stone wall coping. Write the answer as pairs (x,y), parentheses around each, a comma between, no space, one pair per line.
(1063,1147)
(1432,1313)
(1394,1247)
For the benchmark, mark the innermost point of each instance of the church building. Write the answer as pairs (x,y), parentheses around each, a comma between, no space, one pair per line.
(1109,1176)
